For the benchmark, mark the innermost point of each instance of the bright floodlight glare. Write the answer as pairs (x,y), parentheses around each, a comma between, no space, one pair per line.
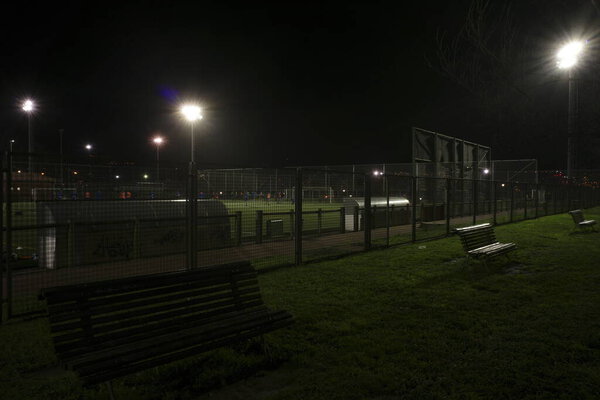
(28,106)
(486,171)
(568,54)
(191,112)
(88,146)
(145,176)
(157,140)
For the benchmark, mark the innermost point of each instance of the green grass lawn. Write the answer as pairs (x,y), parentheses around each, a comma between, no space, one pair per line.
(411,322)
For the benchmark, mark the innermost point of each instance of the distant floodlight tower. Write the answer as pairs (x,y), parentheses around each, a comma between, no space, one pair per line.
(89,148)
(192,113)
(29,107)
(567,58)
(158,141)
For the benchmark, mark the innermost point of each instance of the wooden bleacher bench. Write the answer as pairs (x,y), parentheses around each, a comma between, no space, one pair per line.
(479,242)
(104,330)
(580,221)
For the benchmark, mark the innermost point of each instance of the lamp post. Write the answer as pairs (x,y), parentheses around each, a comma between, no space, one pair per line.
(157,141)
(28,106)
(567,59)
(192,113)
(89,148)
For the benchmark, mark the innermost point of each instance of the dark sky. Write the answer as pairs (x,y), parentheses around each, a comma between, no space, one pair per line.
(280,83)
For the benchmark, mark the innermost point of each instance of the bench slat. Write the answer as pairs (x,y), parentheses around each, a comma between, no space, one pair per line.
(124,285)
(196,313)
(112,357)
(70,350)
(167,297)
(74,304)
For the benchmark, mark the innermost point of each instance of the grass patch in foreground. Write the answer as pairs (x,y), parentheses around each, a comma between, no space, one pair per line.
(411,322)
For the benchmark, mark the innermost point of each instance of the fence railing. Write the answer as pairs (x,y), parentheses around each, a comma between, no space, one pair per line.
(54,239)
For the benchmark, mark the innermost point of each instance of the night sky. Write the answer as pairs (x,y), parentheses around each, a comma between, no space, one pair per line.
(286,83)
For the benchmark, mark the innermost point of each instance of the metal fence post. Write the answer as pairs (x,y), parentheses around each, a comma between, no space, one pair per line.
(448,204)
(414,208)
(387,211)
(475,200)
(298,217)
(192,261)
(2,181)
(495,205)
(9,245)
(356,218)
(367,212)
(342,220)
(238,228)
(319,220)
(512,201)
(259,226)
(554,210)
(525,206)
(536,199)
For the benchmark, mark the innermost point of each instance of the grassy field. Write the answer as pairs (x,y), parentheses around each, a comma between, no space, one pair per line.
(412,322)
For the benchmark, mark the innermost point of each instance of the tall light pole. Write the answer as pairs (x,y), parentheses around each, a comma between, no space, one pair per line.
(60,152)
(192,113)
(28,106)
(567,59)
(89,148)
(158,141)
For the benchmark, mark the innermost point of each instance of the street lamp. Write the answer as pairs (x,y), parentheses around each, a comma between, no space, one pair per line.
(89,147)
(157,141)
(192,113)
(28,106)
(567,58)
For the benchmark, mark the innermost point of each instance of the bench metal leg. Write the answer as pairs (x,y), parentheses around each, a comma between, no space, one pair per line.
(111,394)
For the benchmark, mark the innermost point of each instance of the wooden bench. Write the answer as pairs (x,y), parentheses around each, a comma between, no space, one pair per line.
(104,330)
(479,241)
(582,222)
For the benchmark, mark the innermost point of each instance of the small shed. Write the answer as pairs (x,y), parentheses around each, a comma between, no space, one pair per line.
(398,212)
(90,232)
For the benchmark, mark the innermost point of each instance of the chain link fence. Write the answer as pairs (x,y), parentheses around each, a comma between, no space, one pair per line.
(65,223)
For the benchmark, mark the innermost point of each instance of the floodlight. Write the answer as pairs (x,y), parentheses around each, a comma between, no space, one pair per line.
(88,146)
(158,140)
(569,54)
(486,171)
(191,112)
(28,105)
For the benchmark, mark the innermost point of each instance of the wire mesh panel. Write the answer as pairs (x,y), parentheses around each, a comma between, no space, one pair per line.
(484,200)
(504,202)
(257,216)
(392,220)
(460,201)
(431,208)
(333,213)
(72,223)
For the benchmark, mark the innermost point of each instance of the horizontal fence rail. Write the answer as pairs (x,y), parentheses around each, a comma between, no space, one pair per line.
(72,223)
